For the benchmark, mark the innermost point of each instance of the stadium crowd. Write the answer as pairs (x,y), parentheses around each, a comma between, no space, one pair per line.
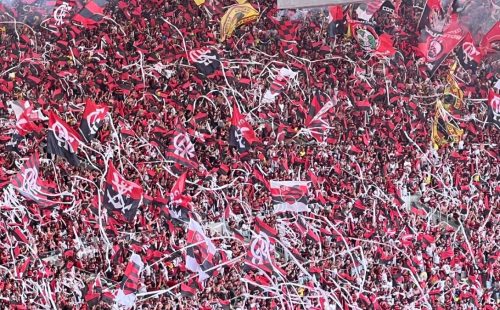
(372,247)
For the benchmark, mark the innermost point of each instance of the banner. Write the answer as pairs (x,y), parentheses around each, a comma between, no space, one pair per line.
(236,16)
(388,8)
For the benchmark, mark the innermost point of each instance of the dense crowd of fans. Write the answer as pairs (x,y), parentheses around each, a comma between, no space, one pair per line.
(438,251)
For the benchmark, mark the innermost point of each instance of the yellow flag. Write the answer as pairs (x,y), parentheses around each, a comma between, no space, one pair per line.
(199,2)
(444,129)
(453,95)
(236,16)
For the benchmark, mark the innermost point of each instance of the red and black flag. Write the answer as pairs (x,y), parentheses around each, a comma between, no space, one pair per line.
(336,21)
(190,289)
(467,53)
(291,196)
(280,81)
(130,280)
(241,134)
(435,45)
(317,117)
(93,291)
(121,195)
(223,304)
(259,254)
(25,117)
(92,13)
(263,227)
(178,204)
(494,108)
(490,42)
(28,184)
(92,119)
(288,33)
(200,251)
(205,59)
(181,149)
(432,13)
(62,140)
(261,178)
(370,40)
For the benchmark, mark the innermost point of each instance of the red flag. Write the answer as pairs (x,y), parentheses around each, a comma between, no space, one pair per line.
(447,253)
(492,36)
(241,134)
(467,53)
(120,194)
(436,46)
(92,119)
(92,13)
(291,196)
(181,150)
(130,281)
(28,183)
(62,139)
(494,108)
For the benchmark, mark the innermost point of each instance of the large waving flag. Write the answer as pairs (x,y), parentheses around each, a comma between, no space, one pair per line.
(291,196)
(488,40)
(181,149)
(236,16)
(468,55)
(92,119)
(199,254)
(28,183)
(121,195)
(370,40)
(205,59)
(494,108)
(444,129)
(130,282)
(436,45)
(62,140)
(241,134)
(92,13)
(317,117)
